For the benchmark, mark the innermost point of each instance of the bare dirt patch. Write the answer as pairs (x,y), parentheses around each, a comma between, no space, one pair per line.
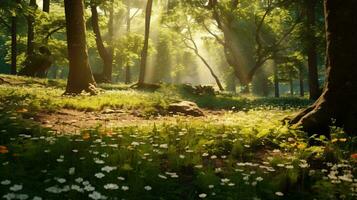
(72,121)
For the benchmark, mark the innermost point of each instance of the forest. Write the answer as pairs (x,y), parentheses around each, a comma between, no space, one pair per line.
(178,99)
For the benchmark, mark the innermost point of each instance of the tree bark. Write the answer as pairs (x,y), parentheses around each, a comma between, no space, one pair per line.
(30,29)
(144,52)
(46,6)
(301,80)
(338,100)
(276,81)
(105,54)
(80,75)
(291,83)
(14,45)
(128,27)
(311,48)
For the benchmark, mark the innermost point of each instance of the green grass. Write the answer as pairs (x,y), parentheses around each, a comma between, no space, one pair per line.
(46,95)
(244,153)
(246,156)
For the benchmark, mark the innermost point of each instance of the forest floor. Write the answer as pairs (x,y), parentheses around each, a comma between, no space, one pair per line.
(125,144)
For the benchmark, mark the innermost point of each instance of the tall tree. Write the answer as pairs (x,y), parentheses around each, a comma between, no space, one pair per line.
(244,55)
(144,53)
(311,48)
(80,75)
(14,44)
(30,28)
(106,54)
(128,27)
(46,6)
(338,100)
(301,80)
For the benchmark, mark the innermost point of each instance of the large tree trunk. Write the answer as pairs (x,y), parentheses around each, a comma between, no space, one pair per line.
(106,55)
(338,100)
(312,49)
(301,80)
(291,83)
(128,27)
(46,6)
(13,45)
(144,53)
(276,81)
(80,75)
(30,29)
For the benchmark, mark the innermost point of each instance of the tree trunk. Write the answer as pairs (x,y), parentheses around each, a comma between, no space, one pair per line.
(144,52)
(276,81)
(312,49)
(128,27)
(13,44)
(338,100)
(105,54)
(291,83)
(46,6)
(301,80)
(30,29)
(218,82)
(80,75)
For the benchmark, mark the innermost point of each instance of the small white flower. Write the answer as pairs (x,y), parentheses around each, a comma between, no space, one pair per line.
(37,198)
(54,189)
(210,186)
(89,188)
(121,178)
(111,186)
(135,144)
(125,188)
(280,194)
(22,196)
(164,146)
(99,175)
(9,196)
(162,176)
(108,169)
(98,161)
(202,196)
(71,171)
(5,182)
(259,179)
(79,180)
(61,180)
(225,180)
(76,188)
(96,195)
(148,188)
(16,187)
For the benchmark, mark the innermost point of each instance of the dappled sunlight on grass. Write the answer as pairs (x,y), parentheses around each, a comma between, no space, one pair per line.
(248,155)
(241,152)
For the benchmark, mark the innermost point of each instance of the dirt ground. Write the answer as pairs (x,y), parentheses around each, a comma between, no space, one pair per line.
(72,121)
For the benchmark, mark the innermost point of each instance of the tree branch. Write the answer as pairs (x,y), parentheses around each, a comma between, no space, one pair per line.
(50,33)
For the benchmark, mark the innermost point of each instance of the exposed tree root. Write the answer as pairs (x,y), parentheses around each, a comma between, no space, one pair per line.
(145,86)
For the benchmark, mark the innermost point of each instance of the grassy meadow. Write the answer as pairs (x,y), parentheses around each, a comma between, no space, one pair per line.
(240,150)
